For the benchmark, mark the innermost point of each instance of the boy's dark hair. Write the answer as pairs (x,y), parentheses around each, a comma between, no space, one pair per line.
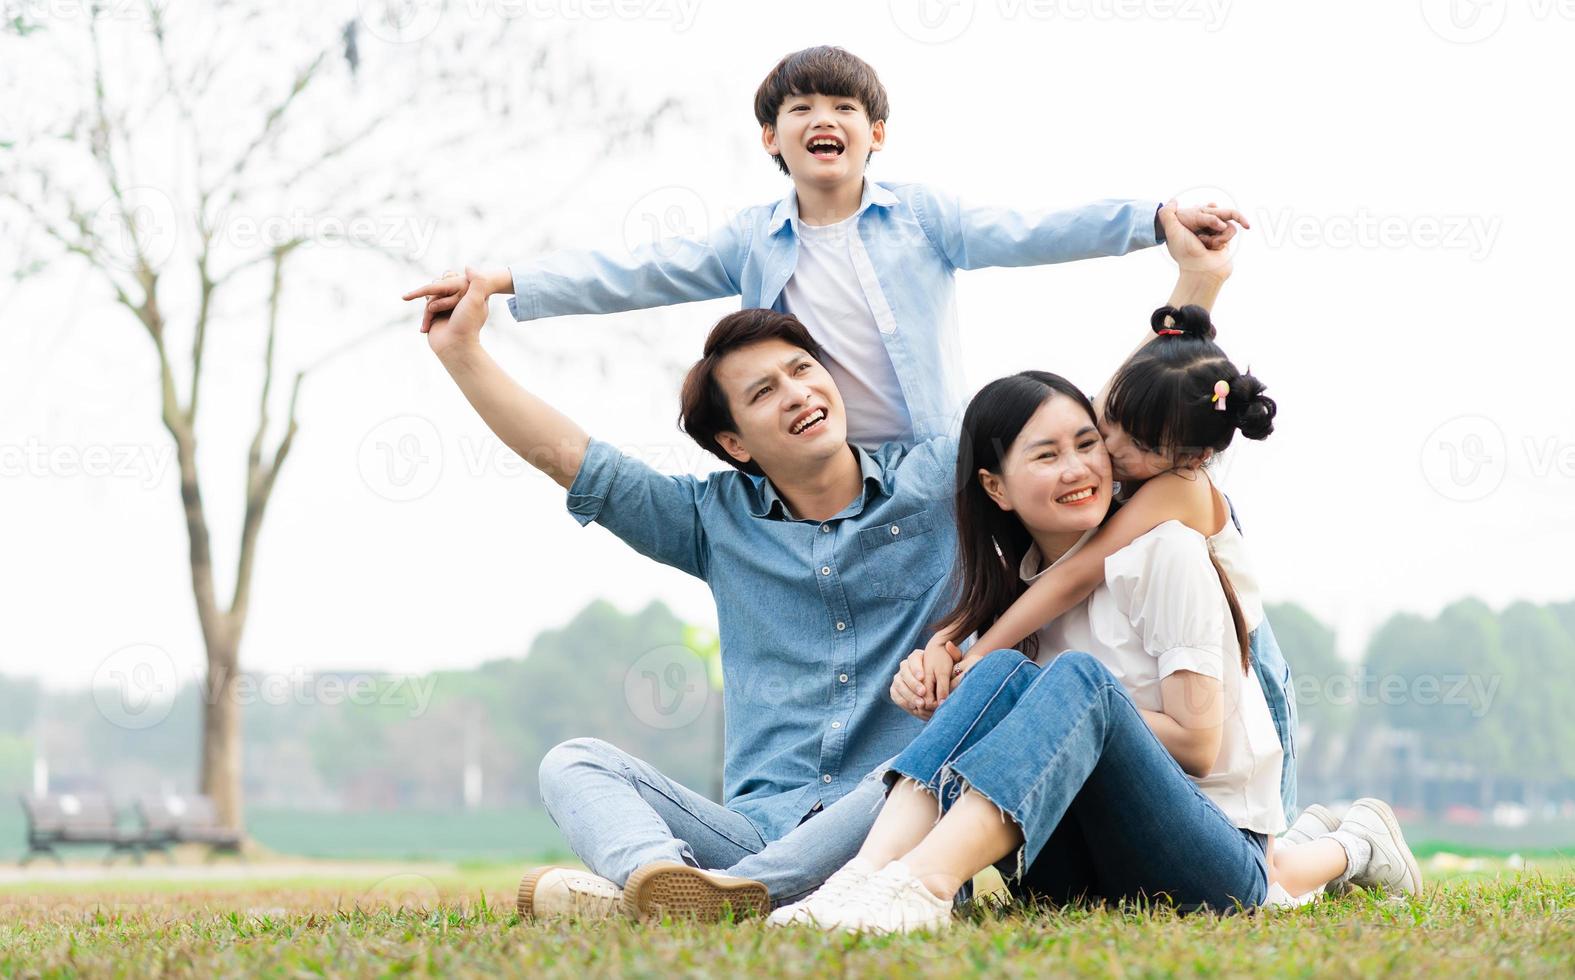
(1164,395)
(703,410)
(822,70)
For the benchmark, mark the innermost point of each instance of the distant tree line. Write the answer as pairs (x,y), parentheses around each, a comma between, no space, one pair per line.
(1466,708)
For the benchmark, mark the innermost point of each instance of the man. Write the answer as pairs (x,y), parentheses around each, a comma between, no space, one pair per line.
(827,562)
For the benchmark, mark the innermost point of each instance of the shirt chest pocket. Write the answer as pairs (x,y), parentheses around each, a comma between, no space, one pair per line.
(907,557)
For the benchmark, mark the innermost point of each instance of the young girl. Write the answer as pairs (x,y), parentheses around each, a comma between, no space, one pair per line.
(1175,405)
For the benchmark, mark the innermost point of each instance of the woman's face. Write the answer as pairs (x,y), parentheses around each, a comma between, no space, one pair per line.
(1056,474)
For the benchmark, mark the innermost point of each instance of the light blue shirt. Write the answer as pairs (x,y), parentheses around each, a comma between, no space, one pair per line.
(815,616)
(915,239)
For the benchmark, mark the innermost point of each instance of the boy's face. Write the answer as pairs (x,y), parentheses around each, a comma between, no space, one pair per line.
(787,412)
(825,140)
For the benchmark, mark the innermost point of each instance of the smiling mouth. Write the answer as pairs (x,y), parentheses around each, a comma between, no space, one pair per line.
(1077,496)
(811,421)
(825,147)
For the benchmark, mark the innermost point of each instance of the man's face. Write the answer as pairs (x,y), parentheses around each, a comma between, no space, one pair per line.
(824,139)
(787,412)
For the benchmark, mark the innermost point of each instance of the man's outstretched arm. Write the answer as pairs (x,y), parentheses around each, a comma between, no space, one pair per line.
(542,436)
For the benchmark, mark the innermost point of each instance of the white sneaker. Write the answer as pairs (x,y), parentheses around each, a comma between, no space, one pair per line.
(548,892)
(815,906)
(890,900)
(1315,821)
(1392,869)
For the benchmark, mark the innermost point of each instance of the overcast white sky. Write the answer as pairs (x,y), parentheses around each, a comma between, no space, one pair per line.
(1404,293)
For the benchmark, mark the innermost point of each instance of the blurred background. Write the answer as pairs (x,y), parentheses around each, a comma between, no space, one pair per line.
(254,544)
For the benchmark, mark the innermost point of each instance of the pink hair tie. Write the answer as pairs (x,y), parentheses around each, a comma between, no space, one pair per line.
(1221,389)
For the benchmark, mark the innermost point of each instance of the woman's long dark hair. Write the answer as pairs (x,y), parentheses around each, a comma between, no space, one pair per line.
(991,542)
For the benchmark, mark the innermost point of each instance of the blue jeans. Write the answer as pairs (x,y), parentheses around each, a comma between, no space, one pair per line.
(619,813)
(1106,812)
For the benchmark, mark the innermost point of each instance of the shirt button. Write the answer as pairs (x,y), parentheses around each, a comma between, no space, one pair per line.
(843,678)
(842,626)
(825,569)
(895,529)
(825,529)
(836,724)
(826,778)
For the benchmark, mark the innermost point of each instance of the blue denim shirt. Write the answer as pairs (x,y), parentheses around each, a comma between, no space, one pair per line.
(1274,676)
(915,237)
(814,616)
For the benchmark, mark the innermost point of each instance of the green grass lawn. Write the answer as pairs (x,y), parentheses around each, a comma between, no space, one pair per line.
(463,924)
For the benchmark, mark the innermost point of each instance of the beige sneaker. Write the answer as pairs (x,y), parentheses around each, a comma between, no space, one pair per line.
(677,891)
(1392,869)
(550,892)
(1315,821)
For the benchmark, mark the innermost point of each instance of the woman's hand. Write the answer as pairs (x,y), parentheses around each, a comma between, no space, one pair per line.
(963,666)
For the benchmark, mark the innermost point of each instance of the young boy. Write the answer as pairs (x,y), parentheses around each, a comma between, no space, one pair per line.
(866,266)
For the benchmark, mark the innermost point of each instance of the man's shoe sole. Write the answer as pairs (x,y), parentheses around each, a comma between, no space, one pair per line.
(677,891)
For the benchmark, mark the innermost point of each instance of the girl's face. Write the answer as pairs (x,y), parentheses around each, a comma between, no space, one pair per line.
(1131,462)
(1056,475)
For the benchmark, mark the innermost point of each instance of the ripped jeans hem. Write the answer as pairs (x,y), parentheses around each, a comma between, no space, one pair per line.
(947,777)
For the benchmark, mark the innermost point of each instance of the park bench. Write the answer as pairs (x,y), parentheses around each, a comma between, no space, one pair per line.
(69,819)
(168,820)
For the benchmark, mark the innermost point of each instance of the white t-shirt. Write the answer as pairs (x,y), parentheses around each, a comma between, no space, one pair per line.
(1160,610)
(826,295)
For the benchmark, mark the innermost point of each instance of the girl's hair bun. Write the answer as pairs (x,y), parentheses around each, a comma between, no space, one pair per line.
(1192,321)
(1254,410)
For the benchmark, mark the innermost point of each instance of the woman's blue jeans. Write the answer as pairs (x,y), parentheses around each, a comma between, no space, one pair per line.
(1106,812)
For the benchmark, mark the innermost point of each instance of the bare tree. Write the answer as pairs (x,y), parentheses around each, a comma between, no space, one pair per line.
(190,158)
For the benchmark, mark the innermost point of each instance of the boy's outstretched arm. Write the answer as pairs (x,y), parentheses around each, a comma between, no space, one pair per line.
(973,237)
(539,433)
(673,270)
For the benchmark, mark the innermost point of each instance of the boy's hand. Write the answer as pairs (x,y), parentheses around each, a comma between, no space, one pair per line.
(1214,226)
(1191,253)
(449,330)
(445,292)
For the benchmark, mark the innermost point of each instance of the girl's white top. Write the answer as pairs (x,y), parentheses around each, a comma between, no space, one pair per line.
(1160,610)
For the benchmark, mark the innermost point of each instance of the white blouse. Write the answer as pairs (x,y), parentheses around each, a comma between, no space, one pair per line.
(1160,610)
